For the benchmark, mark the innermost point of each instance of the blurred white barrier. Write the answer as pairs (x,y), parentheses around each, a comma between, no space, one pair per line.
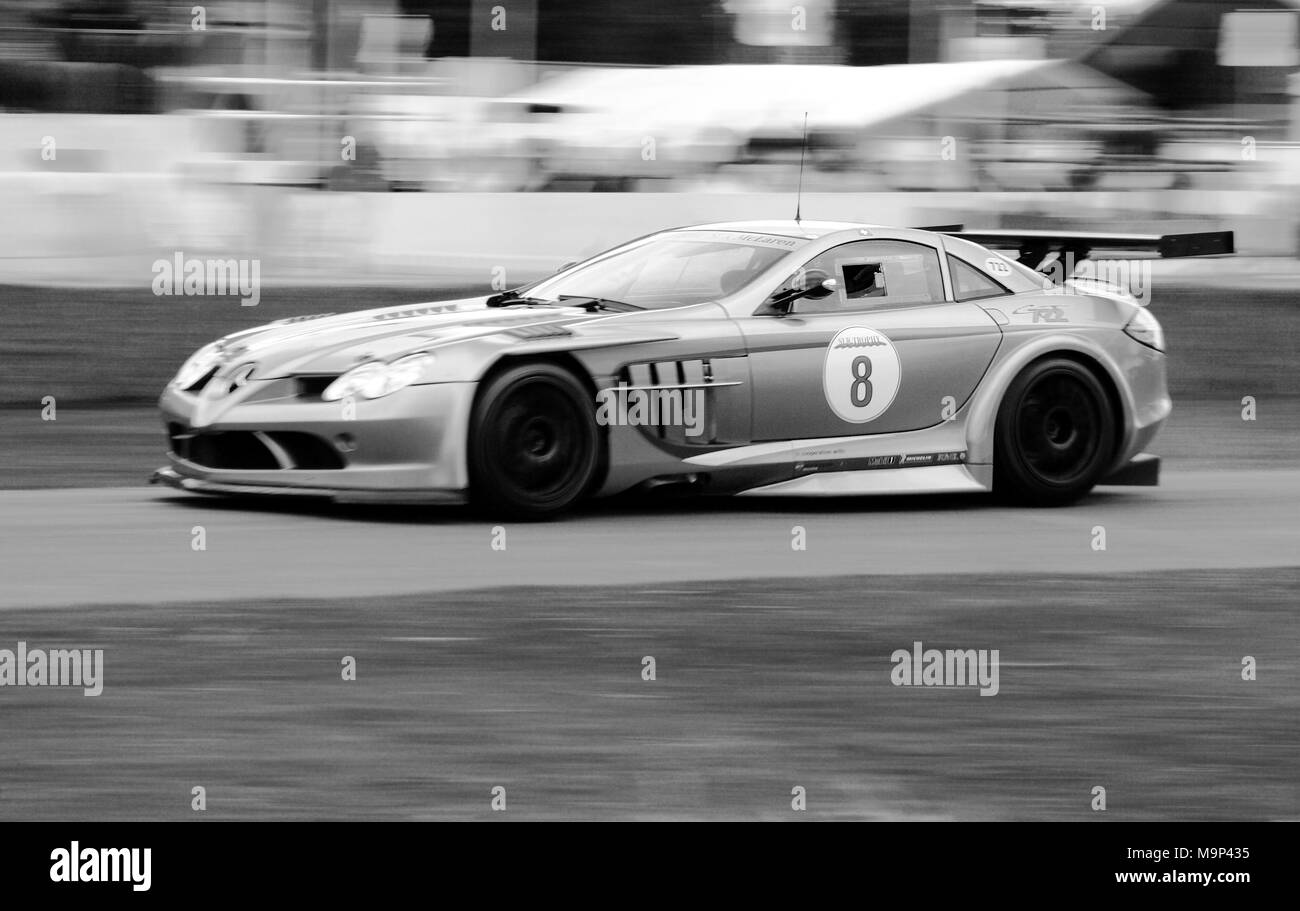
(97,199)
(109,228)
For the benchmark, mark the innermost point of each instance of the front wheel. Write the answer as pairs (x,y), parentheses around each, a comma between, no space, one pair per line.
(533,443)
(1055,434)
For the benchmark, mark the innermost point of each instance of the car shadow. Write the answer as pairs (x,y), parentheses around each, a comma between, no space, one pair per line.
(622,506)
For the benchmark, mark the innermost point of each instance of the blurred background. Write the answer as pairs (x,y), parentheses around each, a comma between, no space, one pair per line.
(383,152)
(423,140)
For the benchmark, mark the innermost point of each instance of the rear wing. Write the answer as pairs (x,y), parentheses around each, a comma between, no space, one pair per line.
(1033,247)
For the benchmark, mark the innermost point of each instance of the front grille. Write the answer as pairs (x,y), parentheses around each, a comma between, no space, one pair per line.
(247,450)
(238,449)
(307,450)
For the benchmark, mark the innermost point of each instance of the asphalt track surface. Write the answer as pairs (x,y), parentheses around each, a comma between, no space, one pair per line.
(136,545)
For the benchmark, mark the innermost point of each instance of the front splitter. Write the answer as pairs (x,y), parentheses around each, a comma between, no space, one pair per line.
(172,478)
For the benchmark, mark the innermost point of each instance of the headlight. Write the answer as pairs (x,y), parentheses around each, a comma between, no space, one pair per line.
(375,380)
(1145,328)
(197,366)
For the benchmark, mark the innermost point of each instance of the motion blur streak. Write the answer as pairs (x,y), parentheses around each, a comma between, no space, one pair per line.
(125,545)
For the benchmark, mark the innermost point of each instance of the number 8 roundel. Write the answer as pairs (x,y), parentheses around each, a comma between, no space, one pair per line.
(861,374)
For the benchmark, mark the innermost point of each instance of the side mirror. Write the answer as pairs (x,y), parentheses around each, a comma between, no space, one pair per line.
(813,284)
(817,284)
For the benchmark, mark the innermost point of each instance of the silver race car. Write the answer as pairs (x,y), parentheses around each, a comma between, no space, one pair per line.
(776,358)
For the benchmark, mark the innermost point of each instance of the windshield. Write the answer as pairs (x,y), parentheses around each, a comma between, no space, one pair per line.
(672,270)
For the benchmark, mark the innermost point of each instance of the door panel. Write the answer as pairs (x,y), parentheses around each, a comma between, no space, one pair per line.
(867,362)
(942,350)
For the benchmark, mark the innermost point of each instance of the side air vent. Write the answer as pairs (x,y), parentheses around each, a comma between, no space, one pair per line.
(671,401)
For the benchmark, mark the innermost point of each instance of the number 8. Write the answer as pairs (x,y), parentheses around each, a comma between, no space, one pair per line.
(861,381)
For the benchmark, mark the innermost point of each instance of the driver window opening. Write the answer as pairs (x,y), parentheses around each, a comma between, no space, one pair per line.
(874,273)
(863,280)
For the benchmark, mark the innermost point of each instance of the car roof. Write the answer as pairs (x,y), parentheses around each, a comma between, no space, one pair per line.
(788,228)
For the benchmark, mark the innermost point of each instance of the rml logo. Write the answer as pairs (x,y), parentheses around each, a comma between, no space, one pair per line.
(76,864)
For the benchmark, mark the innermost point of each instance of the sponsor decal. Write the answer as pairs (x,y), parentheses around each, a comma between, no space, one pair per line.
(766,239)
(996,265)
(885,461)
(738,237)
(934,458)
(860,341)
(861,374)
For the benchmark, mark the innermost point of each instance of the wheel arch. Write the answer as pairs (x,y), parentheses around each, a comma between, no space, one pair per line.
(565,360)
(986,403)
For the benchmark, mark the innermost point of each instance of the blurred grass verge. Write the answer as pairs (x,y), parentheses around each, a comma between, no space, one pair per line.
(1131,682)
(97,346)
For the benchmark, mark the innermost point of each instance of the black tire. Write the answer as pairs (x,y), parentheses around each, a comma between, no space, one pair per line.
(1055,434)
(534,447)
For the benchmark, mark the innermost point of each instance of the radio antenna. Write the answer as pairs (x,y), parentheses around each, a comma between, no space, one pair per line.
(803,147)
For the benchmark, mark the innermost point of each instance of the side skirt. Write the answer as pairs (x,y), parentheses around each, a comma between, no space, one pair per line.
(930,479)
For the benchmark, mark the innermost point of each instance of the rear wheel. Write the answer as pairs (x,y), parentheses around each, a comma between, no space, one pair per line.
(1055,434)
(533,444)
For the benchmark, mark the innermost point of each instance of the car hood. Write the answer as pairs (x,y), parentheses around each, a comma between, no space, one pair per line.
(334,343)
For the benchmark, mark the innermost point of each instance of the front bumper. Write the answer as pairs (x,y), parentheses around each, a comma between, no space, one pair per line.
(406,447)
